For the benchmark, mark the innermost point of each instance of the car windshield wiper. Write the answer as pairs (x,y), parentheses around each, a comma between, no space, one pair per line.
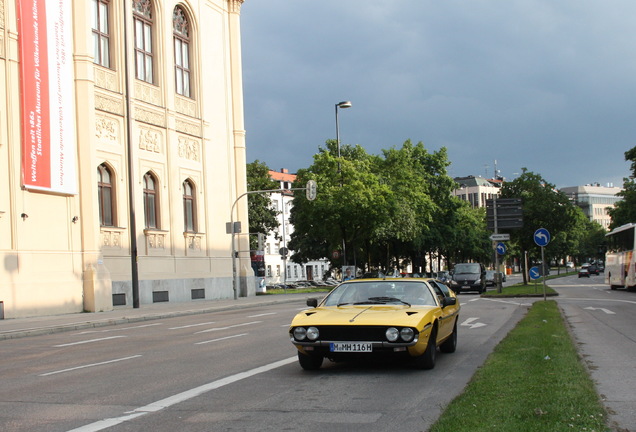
(383,300)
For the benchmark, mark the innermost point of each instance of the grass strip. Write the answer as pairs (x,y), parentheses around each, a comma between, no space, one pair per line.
(534,380)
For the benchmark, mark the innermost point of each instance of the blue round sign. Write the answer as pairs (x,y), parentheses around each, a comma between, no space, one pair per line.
(501,248)
(534,273)
(542,237)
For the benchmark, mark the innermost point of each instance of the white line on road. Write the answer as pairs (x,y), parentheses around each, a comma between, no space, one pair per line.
(607,311)
(263,314)
(181,397)
(229,327)
(220,339)
(89,365)
(88,341)
(120,329)
(191,325)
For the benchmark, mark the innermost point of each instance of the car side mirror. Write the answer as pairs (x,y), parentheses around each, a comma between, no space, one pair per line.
(449,301)
(312,302)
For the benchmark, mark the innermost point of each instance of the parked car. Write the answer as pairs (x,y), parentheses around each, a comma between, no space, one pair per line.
(569,264)
(468,277)
(364,318)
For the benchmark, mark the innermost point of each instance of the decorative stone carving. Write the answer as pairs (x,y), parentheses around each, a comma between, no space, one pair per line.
(147,93)
(189,128)
(235,6)
(150,140)
(185,106)
(150,117)
(189,149)
(111,238)
(106,79)
(109,104)
(106,130)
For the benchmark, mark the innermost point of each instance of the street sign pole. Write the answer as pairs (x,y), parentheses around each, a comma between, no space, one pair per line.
(543,272)
(542,238)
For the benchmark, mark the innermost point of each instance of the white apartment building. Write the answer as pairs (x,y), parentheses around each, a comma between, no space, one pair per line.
(278,267)
(476,190)
(595,200)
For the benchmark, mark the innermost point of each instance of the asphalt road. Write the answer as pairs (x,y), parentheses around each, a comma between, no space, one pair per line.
(236,370)
(229,371)
(603,323)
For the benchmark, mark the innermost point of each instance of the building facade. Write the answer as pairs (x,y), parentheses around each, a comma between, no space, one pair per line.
(122,154)
(595,201)
(279,269)
(477,190)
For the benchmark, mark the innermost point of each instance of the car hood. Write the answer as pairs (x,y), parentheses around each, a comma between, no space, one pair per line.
(366,315)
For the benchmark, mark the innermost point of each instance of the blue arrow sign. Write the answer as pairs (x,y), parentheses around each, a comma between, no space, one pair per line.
(501,248)
(542,237)
(534,273)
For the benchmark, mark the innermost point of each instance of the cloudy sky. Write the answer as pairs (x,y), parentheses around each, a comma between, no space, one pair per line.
(542,84)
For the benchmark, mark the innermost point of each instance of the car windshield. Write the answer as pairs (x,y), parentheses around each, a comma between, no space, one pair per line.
(467,269)
(381,292)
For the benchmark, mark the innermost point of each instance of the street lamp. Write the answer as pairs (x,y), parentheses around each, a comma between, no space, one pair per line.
(343,104)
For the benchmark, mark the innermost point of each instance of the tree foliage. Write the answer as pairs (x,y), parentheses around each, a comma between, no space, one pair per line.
(262,217)
(383,212)
(624,211)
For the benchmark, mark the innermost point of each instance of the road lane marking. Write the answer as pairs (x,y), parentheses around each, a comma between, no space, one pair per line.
(181,397)
(263,314)
(469,323)
(220,339)
(90,365)
(88,341)
(191,325)
(120,329)
(607,311)
(228,327)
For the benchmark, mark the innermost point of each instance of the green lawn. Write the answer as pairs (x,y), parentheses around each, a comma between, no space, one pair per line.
(534,380)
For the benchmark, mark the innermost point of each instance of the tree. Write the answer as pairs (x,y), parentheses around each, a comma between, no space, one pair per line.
(262,217)
(543,207)
(624,211)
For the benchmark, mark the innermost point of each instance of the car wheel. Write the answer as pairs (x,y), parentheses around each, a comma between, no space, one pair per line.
(450,344)
(427,360)
(309,362)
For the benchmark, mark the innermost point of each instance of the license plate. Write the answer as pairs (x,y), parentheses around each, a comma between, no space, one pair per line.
(350,347)
(465,287)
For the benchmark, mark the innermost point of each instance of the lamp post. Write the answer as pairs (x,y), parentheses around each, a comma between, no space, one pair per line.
(343,104)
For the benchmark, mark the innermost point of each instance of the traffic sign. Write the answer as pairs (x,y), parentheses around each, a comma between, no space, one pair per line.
(501,248)
(534,273)
(542,237)
(500,237)
(283,251)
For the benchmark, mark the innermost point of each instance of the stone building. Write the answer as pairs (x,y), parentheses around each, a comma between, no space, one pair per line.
(122,154)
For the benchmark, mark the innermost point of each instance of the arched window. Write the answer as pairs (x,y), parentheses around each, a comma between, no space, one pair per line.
(151,201)
(101,31)
(106,196)
(181,31)
(189,207)
(144,60)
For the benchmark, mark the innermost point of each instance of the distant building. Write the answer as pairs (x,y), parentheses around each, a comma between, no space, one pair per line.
(595,201)
(279,268)
(476,190)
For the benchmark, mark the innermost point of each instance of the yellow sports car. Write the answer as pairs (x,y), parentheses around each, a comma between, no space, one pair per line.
(361,318)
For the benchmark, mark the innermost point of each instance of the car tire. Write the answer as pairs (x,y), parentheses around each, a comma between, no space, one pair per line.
(309,362)
(450,344)
(427,360)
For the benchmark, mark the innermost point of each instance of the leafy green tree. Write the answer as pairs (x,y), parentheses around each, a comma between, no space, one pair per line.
(262,217)
(624,211)
(543,207)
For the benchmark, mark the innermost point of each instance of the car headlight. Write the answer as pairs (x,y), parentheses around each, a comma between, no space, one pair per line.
(300,333)
(392,334)
(407,334)
(312,333)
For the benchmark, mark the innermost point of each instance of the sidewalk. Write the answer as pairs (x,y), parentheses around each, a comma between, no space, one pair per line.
(23,327)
